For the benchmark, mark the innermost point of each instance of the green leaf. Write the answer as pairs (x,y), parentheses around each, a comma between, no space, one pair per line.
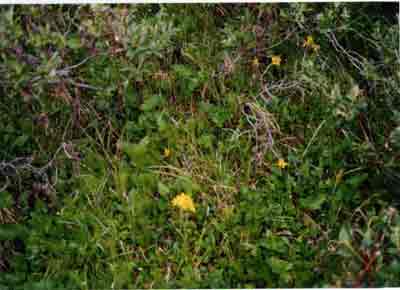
(345,235)
(279,266)
(146,181)
(313,202)
(139,154)
(21,140)
(367,239)
(277,244)
(6,199)
(12,231)
(185,184)
(206,141)
(357,180)
(121,180)
(74,42)
(152,103)
(162,188)
(395,236)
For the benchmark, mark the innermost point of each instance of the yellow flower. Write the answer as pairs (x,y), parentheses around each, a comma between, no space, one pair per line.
(167,152)
(281,163)
(255,62)
(184,201)
(276,60)
(309,42)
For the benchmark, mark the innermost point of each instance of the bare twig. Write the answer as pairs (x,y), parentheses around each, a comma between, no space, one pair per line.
(313,137)
(354,61)
(22,163)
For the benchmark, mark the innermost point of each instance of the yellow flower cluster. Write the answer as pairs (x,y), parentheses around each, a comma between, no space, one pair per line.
(184,202)
(309,43)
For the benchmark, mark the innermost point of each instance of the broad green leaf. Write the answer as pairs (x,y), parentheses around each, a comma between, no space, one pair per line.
(6,200)
(74,42)
(345,234)
(152,103)
(279,266)
(162,188)
(313,202)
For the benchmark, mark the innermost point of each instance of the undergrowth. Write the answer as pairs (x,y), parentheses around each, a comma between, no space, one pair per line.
(199,146)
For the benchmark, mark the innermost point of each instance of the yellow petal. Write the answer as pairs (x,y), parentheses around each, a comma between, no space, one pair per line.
(309,41)
(184,202)
(167,152)
(276,60)
(255,62)
(281,163)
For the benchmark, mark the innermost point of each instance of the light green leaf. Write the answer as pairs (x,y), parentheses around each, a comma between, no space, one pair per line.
(279,266)
(74,42)
(162,188)
(345,234)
